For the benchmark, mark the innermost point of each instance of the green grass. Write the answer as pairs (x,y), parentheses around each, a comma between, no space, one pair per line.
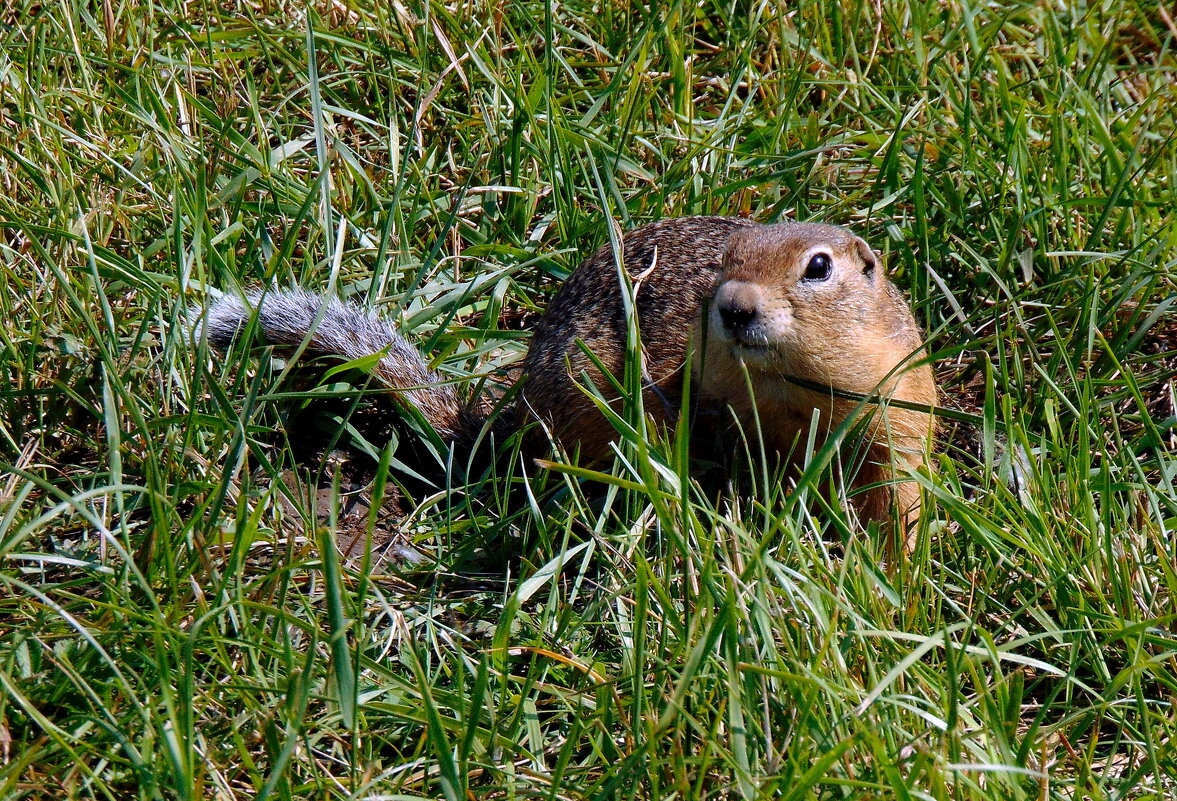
(175,624)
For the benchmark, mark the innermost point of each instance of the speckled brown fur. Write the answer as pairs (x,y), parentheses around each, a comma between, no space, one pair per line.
(679,262)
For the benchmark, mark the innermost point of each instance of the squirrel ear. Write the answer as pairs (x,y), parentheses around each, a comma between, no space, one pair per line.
(869,261)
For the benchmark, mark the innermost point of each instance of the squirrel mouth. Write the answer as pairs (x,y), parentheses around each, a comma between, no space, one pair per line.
(746,346)
(750,339)
(754,351)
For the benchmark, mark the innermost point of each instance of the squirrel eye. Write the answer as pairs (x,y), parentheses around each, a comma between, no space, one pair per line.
(819,268)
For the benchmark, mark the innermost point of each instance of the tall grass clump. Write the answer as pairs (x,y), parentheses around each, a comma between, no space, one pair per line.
(177,617)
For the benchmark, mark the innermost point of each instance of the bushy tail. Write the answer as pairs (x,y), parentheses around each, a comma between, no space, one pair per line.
(331,327)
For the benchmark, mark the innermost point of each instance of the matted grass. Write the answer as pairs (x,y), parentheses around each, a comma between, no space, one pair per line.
(174,623)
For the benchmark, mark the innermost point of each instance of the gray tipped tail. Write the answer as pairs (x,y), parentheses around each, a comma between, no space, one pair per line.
(332,327)
(223,322)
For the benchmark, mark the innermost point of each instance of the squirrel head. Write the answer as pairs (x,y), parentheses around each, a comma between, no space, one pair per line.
(810,301)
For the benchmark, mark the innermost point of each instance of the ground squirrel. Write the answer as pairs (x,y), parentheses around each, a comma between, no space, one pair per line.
(799,312)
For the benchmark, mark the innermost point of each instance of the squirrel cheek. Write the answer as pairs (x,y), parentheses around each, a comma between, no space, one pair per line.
(780,324)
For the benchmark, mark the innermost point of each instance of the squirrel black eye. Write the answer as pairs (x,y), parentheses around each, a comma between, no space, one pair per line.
(819,268)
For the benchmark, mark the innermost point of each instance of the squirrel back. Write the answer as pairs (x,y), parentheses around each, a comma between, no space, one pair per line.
(674,265)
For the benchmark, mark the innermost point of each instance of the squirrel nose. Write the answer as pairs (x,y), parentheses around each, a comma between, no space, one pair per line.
(736,318)
(738,305)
